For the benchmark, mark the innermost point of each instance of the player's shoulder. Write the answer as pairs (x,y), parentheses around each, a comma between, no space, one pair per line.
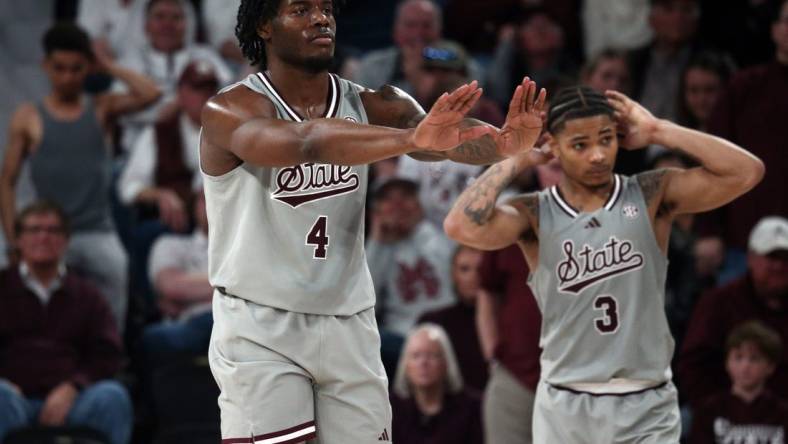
(237,103)
(391,106)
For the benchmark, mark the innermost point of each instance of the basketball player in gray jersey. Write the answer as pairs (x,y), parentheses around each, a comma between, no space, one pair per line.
(295,347)
(596,246)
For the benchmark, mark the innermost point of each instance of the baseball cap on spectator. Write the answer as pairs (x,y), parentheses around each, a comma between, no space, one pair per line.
(445,54)
(392,183)
(200,74)
(769,235)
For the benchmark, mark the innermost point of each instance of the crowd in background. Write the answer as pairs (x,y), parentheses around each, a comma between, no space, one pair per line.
(105,304)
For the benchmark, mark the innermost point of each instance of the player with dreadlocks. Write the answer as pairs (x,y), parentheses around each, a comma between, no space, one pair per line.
(596,246)
(295,348)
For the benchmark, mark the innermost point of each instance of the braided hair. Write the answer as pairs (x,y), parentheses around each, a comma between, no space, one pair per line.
(576,102)
(251,14)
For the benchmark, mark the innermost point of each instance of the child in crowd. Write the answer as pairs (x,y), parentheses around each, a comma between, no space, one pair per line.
(748,413)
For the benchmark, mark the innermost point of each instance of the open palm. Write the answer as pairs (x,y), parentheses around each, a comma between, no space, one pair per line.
(524,119)
(442,129)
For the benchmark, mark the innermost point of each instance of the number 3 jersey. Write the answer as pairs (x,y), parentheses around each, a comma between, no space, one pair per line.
(293,238)
(600,284)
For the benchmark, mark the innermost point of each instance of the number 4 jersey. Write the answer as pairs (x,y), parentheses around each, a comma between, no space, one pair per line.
(293,238)
(600,284)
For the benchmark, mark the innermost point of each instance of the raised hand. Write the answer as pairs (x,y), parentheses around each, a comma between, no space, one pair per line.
(635,123)
(524,119)
(442,128)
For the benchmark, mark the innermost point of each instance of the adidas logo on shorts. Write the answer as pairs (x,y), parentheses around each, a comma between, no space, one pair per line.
(384,436)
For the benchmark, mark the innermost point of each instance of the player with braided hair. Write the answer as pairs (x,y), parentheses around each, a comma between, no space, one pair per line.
(294,347)
(596,246)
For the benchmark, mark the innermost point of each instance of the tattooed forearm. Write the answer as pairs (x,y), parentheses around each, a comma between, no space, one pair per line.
(482,151)
(478,201)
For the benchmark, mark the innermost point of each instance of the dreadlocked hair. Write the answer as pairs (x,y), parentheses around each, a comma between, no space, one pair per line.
(576,102)
(251,14)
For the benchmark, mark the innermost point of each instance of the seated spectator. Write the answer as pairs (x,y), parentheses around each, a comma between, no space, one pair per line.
(762,294)
(409,259)
(219,18)
(704,79)
(508,324)
(428,403)
(445,67)
(607,70)
(656,68)
(418,24)
(620,24)
(117,27)
(63,138)
(163,58)
(459,320)
(747,413)
(537,49)
(163,170)
(179,272)
(751,113)
(58,341)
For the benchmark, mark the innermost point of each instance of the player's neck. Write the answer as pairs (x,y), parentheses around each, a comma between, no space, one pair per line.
(302,89)
(583,197)
(747,394)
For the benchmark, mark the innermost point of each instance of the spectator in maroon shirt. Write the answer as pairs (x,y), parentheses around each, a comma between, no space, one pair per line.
(752,114)
(762,294)
(459,320)
(748,412)
(428,402)
(58,341)
(509,323)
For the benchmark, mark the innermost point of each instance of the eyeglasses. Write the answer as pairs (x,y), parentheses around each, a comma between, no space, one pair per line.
(444,55)
(48,229)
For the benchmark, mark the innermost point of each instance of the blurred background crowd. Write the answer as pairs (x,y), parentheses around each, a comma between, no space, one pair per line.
(104,297)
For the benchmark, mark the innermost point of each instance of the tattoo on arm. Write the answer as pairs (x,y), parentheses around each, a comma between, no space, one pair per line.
(480,151)
(651,185)
(529,203)
(480,199)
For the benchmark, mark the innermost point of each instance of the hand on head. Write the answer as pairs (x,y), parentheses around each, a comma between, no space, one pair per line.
(636,124)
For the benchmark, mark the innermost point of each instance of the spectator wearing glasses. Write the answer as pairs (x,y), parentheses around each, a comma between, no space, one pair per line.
(58,341)
(445,66)
(417,25)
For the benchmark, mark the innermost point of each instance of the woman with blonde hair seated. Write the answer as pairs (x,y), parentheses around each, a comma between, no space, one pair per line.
(428,401)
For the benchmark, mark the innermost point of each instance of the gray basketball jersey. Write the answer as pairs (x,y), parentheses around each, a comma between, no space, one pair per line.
(293,237)
(600,285)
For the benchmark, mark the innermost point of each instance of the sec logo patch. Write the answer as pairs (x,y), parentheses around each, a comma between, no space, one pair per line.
(630,211)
